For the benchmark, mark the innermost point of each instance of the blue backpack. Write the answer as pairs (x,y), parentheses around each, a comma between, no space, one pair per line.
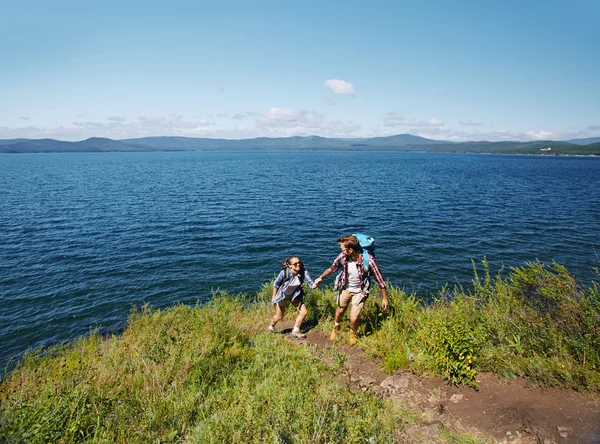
(367,243)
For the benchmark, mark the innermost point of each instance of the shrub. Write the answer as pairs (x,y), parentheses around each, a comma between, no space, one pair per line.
(452,337)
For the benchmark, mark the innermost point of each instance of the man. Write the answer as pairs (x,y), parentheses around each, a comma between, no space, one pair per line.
(352,283)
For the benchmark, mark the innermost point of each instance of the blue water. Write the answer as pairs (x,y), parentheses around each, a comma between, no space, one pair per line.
(85,237)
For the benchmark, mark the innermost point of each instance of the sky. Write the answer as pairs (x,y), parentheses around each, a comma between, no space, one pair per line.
(445,70)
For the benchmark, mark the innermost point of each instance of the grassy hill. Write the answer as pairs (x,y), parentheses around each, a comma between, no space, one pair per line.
(214,374)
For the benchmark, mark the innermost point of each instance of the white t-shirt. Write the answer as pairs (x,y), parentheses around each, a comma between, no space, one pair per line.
(353,284)
(293,285)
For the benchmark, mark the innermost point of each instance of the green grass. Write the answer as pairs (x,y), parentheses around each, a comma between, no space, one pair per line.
(188,374)
(536,323)
(212,373)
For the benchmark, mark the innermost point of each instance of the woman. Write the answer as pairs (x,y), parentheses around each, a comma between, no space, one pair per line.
(288,288)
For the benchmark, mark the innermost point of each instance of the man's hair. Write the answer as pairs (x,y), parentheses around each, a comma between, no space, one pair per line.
(350,242)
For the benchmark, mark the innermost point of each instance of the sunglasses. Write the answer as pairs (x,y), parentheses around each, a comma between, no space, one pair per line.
(296,263)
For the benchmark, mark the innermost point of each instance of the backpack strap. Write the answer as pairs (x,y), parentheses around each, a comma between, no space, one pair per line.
(287,275)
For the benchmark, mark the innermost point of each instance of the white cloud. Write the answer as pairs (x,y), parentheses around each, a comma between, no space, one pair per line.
(280,114)
(277,122)
(94,125)
(470,123)
(540,135)
(116,128)
(393,119)
(340,87)
(329,101)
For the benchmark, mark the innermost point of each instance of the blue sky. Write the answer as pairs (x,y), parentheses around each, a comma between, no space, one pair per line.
(447,70)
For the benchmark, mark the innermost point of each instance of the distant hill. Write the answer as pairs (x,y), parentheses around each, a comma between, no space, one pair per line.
(587,141)
(282,143)
(93,144)
(400,142)
(11,141)
(189,143)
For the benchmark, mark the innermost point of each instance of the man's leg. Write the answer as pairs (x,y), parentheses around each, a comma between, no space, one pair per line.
(343,300)
(339,313)
(354,315)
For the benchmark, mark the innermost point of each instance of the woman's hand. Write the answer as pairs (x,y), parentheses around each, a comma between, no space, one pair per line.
(317,283)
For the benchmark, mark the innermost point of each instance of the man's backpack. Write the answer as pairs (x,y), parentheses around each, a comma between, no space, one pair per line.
(367,243)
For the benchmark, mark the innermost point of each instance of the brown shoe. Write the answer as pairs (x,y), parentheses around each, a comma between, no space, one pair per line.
(334,332)
(353,337)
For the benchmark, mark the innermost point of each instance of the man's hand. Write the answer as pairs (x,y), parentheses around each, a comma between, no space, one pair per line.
(384,303)
(317,283)
(384,299)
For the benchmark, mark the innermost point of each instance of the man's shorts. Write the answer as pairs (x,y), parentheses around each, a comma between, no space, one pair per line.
(288,300)
(347,297)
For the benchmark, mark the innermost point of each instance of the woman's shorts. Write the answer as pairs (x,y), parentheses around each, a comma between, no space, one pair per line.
(288,300)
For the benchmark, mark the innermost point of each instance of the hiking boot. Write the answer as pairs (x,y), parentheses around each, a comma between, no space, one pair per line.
(353,337)
(334,332)
(298,335)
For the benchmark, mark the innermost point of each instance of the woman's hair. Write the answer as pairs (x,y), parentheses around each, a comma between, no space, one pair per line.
(288,262)
(350,242)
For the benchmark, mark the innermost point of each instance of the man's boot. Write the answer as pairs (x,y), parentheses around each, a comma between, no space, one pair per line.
(353,337)
(334,332)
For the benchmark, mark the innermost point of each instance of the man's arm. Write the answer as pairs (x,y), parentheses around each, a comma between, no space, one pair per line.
(380,281)
(337,264)
(318,280)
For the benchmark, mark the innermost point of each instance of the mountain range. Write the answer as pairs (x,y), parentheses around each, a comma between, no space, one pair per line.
(400,142)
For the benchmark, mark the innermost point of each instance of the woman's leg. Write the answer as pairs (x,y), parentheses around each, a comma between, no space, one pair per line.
(301,307)
(302,311)
(279,314)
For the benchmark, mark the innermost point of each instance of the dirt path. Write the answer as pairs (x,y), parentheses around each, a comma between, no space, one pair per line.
(502,410)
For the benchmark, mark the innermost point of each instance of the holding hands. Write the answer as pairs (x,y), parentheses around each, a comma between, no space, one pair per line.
(317,283)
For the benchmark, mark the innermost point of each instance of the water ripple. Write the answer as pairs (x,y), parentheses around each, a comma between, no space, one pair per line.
(84,238)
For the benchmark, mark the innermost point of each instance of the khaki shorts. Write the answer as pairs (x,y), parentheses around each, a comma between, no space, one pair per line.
(355,298)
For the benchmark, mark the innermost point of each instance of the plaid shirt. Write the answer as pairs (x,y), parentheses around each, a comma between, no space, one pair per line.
(281,284)
(363,275)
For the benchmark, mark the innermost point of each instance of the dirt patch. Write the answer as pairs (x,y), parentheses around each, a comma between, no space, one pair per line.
(503,410)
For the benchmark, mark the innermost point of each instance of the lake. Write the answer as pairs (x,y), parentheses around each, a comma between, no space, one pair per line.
(86,237)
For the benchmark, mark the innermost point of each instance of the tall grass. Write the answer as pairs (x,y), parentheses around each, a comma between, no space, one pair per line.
(188,374)
(536,323)
(213,374)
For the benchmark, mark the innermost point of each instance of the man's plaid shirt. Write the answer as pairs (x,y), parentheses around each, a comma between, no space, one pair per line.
(342,261)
